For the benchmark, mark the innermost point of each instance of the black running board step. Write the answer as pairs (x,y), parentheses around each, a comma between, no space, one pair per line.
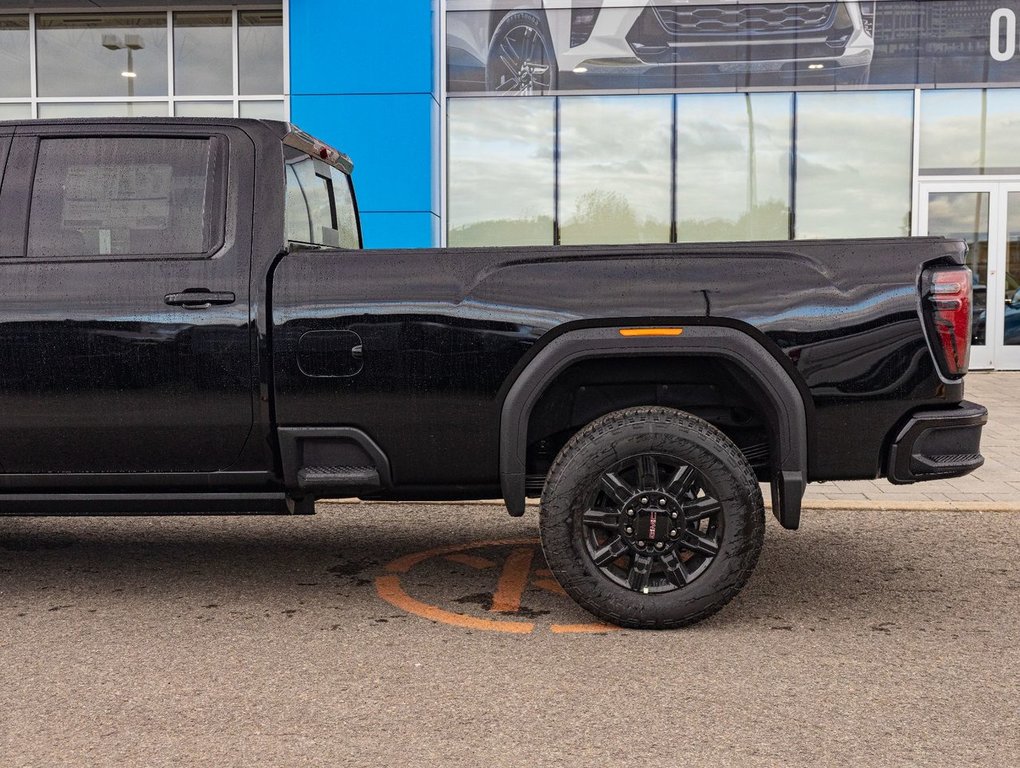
(939,466)
(143,504)
(338,478)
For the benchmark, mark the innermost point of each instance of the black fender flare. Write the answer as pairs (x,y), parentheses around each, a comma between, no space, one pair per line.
(790,469)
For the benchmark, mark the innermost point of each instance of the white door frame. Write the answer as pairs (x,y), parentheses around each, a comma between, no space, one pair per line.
(994,354)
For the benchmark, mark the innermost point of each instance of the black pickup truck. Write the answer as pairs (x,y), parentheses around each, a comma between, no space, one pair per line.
(188,324)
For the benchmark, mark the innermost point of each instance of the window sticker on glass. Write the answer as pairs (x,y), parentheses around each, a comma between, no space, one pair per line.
(135,196)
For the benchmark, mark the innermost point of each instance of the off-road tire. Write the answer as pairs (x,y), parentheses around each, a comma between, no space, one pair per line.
(575,476)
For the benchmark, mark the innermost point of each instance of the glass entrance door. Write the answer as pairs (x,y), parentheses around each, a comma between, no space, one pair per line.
(987,216)
(1010,352)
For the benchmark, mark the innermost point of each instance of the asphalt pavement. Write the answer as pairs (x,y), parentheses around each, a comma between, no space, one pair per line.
(431,635)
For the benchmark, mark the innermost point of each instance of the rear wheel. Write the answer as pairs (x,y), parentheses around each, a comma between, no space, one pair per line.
(651,517)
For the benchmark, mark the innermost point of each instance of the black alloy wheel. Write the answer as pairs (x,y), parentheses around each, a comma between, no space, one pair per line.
(654,524)
(521,58)
(651,518)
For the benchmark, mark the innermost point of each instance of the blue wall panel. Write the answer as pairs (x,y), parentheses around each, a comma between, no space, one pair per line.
(362,46)
(361,78)
(389,138)
(399,230)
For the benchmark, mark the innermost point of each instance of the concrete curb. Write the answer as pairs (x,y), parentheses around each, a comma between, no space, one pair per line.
(815,504)
(908,505)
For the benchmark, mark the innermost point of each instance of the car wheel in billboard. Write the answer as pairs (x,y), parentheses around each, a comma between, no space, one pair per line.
(521,58)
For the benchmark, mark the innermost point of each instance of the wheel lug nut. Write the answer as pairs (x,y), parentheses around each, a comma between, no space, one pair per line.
(662,502)
(673,515)
(659,545)
(644,499)
(673,533)
(629,529)
(630,513)
(641,545)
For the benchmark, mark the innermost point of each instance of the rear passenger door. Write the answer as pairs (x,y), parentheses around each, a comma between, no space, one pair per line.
(125,335)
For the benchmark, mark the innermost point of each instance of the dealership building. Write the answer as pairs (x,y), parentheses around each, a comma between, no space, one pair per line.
(510,122)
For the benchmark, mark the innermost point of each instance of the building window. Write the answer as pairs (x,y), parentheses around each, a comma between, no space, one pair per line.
(685,167)
(50,110)
(95,55)
(210,63)
(853,164)
(203,59)
(501,172)
(14,58)
(970,132)
(733,158)
(614,180)
(260,47)
(15,111)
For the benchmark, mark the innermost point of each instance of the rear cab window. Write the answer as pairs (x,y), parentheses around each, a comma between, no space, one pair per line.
(320,206)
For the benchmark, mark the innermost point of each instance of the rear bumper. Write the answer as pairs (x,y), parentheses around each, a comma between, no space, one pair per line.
(935,445)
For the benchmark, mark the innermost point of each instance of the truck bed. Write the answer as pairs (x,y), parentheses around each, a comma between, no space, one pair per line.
(444,330)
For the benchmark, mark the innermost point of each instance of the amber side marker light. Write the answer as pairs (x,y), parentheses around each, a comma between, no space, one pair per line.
(651,331)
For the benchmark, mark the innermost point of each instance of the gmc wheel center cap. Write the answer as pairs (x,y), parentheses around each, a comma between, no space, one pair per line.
(653,524)
(653,519)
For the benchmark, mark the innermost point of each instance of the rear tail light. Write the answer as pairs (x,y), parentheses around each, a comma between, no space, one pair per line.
(947,297)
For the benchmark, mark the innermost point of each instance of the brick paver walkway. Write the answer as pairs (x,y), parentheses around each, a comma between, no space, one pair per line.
(997,481)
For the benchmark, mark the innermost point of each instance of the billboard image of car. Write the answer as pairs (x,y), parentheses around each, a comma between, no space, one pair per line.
(528,47)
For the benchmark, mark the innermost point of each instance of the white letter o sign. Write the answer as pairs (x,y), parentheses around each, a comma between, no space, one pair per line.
(999,53)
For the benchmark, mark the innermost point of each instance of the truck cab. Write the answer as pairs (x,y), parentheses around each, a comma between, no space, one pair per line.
(134,258)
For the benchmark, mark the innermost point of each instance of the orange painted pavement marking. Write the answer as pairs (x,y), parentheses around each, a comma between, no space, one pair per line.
(407,562)
(389,589)
(513,581)
(478,563)
(561,629)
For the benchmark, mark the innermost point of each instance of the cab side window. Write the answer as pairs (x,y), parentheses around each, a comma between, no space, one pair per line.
(110,197)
